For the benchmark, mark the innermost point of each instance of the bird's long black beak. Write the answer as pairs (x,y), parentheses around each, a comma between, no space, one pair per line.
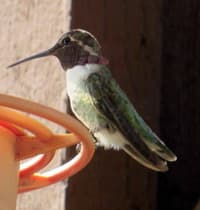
(38,55)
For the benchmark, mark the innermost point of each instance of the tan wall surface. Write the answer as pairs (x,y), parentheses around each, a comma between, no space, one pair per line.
(28,27)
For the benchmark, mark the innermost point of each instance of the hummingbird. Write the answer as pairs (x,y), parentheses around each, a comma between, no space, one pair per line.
(99,103)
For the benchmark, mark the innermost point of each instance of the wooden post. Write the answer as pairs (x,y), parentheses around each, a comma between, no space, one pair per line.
(180,109)
(129,32)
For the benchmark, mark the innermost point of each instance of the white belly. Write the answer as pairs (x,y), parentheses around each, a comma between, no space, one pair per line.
(76,76)
(110,139)
(80,98)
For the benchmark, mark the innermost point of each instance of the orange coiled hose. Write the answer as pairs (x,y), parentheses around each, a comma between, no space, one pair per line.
(43,141)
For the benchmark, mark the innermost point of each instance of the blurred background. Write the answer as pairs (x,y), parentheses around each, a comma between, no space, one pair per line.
(154,49)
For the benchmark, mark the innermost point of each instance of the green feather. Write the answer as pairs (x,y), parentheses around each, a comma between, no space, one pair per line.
(113,103)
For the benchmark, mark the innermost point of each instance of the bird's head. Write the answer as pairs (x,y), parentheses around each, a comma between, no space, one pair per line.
(77,47)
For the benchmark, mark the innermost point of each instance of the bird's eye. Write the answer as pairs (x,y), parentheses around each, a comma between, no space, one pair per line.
(66,41)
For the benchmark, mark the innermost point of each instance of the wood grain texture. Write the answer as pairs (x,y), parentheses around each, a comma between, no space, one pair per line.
(129,32)
(28,27)
(180,109)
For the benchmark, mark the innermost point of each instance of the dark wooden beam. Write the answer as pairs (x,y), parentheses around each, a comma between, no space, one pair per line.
(129,32)
(180,109)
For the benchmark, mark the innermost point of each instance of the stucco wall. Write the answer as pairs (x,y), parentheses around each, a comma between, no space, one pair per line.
(28,27)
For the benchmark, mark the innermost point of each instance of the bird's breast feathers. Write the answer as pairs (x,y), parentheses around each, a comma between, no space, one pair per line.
(79,73)
(80,98)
